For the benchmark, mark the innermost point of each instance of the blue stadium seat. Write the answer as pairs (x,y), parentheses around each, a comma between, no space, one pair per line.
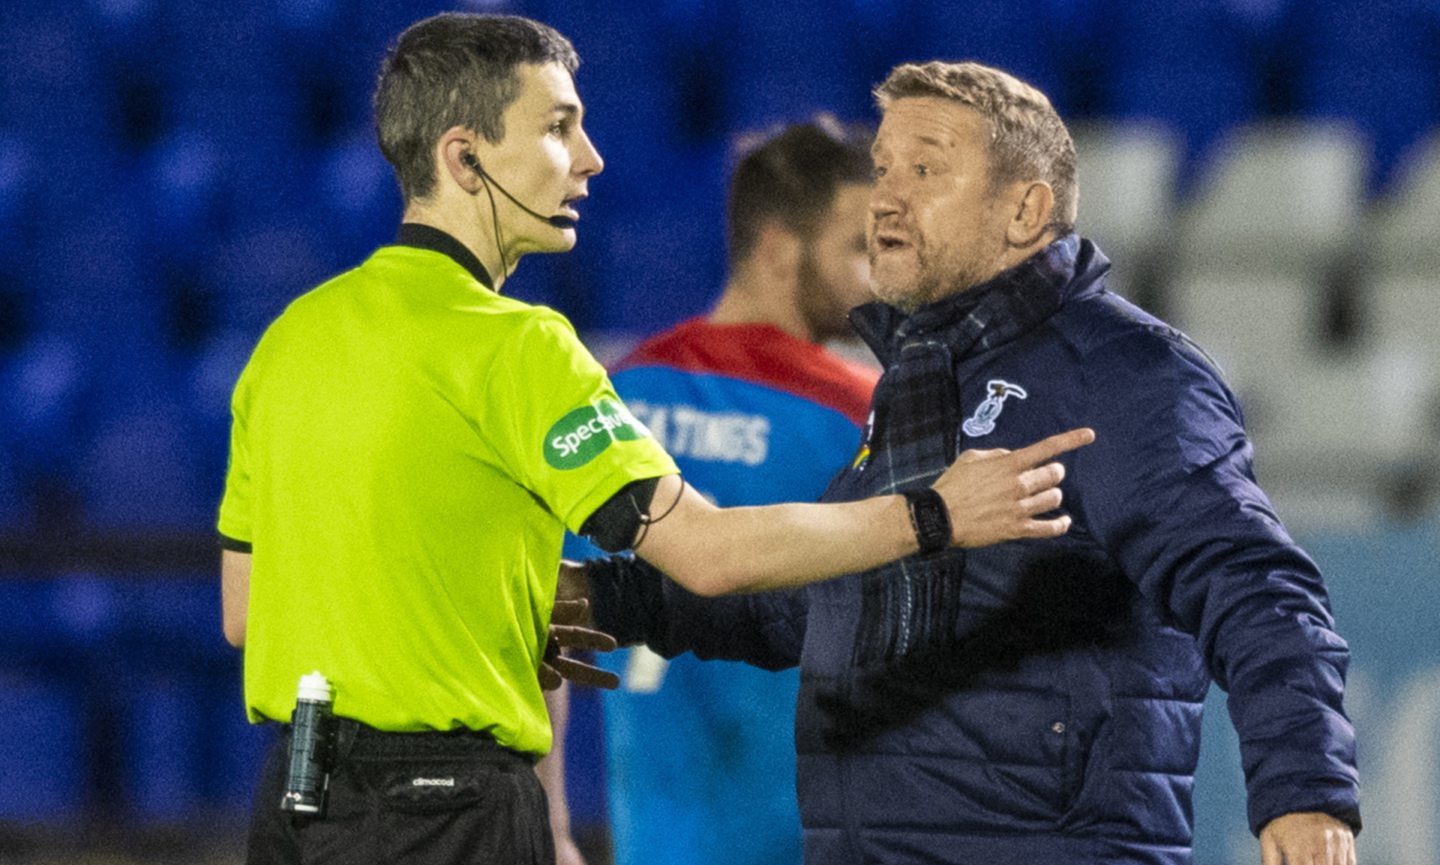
(661,266)
(630,76)
(176,665)
(42,749)
(172,621)
(1184,64)
(19,188)
(332,62)
(127,40)
(29,630)
(17,513)
(182,191)
(42,392)
(1374,64)
(141,473)
(225,73)
(255,272)
(92,283)
(49,76)
(358,198)
(785,61)
(237,750)
(126,29)
(377,24)
(207,388)
(85,612)
(162,739)
(1024,37)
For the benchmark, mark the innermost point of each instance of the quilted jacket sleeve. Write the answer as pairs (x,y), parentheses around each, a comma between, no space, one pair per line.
(1169,491)
(633,601)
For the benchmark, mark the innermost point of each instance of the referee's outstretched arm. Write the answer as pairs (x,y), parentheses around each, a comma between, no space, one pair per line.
(990,496)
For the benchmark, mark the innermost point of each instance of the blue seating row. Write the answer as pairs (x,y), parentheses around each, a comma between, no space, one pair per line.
(120,697)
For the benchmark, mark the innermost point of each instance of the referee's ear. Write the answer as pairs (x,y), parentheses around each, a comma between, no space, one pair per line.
(455,151)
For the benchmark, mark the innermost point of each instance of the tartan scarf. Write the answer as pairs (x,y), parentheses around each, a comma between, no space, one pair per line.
(912,605)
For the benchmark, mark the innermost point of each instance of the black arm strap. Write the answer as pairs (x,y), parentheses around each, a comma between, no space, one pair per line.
(614,524)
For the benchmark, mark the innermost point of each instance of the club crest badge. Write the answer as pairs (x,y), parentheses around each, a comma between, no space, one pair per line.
(983,421)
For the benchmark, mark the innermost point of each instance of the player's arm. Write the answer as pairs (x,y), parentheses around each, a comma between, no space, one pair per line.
(990,497)
(634,602)
(234,595)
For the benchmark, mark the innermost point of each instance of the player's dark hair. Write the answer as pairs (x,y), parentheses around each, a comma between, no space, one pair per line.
(452,70)
(790,175)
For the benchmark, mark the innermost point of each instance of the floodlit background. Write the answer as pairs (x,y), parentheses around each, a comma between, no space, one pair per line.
(1264,173)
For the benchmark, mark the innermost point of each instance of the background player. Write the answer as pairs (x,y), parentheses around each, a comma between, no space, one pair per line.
(754,411)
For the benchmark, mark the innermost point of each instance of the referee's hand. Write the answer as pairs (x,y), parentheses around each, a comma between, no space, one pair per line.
(568,632)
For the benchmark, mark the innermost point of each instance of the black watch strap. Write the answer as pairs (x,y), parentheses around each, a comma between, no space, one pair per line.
(930,518)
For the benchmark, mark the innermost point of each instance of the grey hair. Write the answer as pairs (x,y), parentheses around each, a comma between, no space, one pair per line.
(1028,140)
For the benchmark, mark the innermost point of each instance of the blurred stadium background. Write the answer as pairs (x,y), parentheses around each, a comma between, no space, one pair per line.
(1266,173)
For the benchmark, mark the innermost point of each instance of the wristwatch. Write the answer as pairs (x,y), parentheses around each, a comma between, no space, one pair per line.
(930,518)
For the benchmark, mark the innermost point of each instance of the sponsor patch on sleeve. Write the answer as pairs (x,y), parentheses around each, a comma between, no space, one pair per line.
(584,433)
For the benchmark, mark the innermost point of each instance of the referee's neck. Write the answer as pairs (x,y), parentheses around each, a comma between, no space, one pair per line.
(478,239)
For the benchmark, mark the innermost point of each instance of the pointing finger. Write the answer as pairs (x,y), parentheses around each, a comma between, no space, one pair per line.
(971,456)
(1047,449)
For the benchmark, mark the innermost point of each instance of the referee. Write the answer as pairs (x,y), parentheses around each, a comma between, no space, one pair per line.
(409,446)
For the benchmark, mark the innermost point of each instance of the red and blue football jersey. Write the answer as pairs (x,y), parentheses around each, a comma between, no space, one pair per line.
(701,754)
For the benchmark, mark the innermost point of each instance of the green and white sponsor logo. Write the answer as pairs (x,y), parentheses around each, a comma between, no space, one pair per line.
(583,434)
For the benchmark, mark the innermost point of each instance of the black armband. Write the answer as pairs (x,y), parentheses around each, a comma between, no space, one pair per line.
(627,598)
(615,524)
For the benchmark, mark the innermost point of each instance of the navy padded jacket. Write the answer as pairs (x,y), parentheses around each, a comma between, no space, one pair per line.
(1063,724)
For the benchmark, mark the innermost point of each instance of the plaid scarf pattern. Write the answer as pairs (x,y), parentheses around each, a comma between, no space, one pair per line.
(911,606)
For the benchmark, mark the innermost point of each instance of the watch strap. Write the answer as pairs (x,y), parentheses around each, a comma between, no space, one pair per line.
(930,518)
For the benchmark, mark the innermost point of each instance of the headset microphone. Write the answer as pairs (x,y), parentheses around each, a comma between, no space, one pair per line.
(474,165)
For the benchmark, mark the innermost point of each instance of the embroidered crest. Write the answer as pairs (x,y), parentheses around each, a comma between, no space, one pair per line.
(983,421)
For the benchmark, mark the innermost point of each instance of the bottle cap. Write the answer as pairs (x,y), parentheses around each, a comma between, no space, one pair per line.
(314,687)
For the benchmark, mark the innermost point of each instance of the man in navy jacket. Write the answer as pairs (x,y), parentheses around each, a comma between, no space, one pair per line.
(1034,701)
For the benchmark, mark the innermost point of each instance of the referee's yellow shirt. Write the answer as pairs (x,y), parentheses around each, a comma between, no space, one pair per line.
(408,448)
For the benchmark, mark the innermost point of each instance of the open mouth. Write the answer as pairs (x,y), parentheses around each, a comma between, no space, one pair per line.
(567,206)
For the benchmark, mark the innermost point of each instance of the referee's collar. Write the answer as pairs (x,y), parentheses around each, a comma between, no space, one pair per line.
(431,238)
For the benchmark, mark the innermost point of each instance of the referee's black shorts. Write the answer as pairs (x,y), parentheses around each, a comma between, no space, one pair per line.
(408,799)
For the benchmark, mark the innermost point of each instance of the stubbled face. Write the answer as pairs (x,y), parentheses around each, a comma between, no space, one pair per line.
(545,159)
(935,228)
(834,265)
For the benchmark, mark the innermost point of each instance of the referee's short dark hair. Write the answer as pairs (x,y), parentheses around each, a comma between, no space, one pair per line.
(455,69)
(790,175)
